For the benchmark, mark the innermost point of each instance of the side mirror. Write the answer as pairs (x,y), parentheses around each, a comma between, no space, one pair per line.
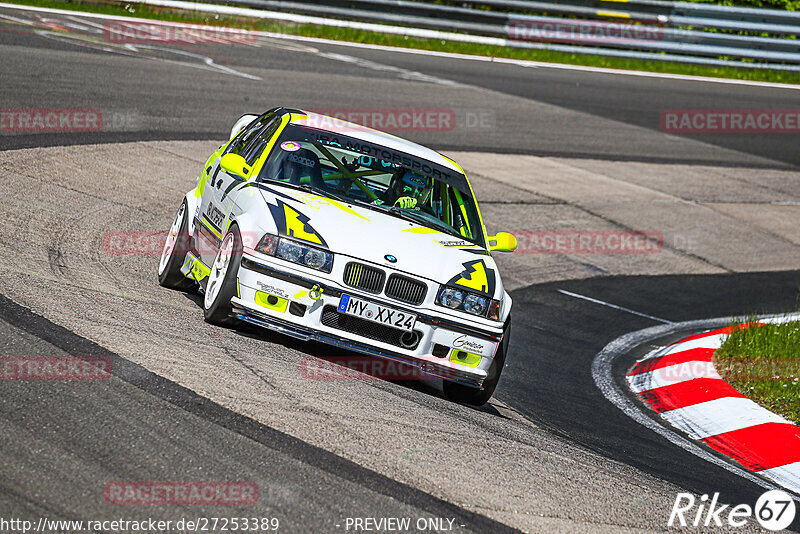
(235,165)
(503,242)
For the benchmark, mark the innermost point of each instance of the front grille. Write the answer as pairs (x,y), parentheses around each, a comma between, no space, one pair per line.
(364,277)
(406,289)
(332,318)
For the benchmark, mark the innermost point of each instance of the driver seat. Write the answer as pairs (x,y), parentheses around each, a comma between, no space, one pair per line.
(303,163)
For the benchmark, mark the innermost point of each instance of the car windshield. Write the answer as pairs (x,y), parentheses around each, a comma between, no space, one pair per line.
(377,177)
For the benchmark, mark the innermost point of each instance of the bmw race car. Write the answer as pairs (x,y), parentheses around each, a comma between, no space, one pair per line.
(325,230)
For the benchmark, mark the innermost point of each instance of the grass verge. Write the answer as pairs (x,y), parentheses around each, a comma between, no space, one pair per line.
(763,362)
(366,37)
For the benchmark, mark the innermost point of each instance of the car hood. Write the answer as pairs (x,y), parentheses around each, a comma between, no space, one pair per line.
(350,230)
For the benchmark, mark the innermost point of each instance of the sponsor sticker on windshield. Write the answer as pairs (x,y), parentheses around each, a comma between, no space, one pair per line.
(290,146)
(455,243)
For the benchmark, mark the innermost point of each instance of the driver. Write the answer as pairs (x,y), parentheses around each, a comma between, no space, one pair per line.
(407,190)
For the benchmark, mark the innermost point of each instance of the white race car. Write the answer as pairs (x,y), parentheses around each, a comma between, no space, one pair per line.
(326,230)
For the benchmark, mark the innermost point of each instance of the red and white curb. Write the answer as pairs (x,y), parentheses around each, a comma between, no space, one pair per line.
(680,383)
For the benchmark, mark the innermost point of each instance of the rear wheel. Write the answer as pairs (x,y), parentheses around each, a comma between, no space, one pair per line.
(174,253)
(221,287)
(478,397)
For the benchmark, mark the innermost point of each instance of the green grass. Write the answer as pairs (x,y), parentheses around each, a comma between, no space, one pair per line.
(763,363)
(360,36)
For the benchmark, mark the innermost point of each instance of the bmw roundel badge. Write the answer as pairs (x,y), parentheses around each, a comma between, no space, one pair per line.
(390,258)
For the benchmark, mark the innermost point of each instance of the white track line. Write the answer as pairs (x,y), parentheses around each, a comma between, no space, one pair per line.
(508,61)
(403,74)
(604,379)
(714,418)
(628,310)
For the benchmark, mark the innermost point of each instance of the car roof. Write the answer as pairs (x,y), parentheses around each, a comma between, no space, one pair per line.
(363,133)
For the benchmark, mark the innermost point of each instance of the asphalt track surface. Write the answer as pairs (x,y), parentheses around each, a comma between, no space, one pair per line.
(618,118)
(63,439)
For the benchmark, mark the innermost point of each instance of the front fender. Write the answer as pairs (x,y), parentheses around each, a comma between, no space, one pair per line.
(250,229)
(507,302)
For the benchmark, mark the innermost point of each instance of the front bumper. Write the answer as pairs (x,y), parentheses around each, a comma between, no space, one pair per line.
(441,342)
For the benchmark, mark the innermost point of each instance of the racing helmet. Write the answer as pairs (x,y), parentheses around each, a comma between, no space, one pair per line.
(415,185)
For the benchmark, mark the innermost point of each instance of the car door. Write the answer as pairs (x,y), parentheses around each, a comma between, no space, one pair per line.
(218,202)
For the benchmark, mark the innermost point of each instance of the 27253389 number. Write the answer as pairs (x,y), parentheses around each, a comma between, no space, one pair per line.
(235,524)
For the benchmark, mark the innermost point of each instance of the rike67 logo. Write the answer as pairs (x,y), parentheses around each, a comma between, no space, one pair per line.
(774,510)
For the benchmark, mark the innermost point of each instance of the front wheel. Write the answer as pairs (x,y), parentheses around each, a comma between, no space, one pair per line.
(478,397)
(221,287)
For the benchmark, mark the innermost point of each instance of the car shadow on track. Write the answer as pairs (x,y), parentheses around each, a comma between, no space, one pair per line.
(325,363)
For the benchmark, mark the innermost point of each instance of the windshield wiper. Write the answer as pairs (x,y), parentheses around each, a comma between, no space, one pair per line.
(403,214)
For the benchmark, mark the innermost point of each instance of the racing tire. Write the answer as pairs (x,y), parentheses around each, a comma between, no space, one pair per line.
(478,397)
(174,253)
(221,286)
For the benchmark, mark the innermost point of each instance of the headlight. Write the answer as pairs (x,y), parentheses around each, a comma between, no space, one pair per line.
(314,258)
(289,250)
(456,299)
(476,305)
(452,298)
(296,252)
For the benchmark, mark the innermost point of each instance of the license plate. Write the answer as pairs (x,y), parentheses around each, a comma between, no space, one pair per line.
(377,313)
